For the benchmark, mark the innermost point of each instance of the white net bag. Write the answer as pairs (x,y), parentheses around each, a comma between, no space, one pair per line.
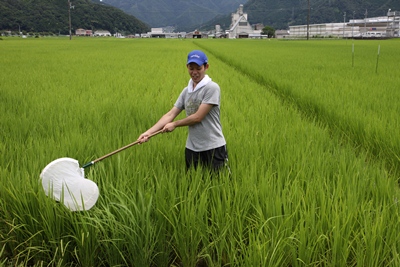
(65,181)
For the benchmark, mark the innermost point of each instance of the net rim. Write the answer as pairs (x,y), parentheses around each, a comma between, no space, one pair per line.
(54,162)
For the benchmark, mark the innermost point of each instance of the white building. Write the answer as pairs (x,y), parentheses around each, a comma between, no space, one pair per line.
(164,33)
(102,33)
(240,27)
(387,26)
(393,29)
(324,30)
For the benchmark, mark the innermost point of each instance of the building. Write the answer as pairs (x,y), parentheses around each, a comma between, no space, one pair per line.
(323,30)
(240,26)
(387,26)
(83,32)
(166,32)
(393,29)
(197,35)
(281,34)
(80,32)
(219,33)
(118,35)
(102,33)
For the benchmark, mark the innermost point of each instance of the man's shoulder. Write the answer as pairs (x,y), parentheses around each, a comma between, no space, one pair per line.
(185,90)
(212,85)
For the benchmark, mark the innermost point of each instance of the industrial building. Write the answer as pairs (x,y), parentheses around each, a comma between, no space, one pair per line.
(240,26)
(166,32)
(386,26)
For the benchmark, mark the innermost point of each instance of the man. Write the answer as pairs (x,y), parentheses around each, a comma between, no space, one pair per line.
(206,143)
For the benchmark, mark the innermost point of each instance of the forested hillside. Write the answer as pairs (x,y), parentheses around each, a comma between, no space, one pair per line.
(52,16)
(184,15)
(284,13)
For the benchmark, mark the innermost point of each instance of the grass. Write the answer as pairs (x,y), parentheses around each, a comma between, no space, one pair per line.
(319,78)
(312,182)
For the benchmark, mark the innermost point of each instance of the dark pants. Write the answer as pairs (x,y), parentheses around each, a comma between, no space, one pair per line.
(215,159)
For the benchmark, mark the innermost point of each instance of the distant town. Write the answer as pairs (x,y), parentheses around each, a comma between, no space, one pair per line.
(375,27)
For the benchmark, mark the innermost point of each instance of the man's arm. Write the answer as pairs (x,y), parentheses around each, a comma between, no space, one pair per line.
(165,119)
(195,118)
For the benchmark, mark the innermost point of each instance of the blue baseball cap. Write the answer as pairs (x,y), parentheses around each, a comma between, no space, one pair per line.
(198,57)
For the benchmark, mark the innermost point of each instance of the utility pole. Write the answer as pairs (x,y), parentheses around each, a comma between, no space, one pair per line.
(344,22)
(387,23)
(365,22)
(70,6)
(308,21)
(352,26)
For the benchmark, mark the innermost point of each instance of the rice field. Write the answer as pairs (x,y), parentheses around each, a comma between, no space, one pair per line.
(313,137)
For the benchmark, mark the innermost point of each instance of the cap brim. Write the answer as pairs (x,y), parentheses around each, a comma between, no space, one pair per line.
(198,62)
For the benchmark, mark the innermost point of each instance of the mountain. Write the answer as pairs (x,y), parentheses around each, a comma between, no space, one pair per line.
(280,14)
(284,13)
(137,16)
(52,16)
(184,15)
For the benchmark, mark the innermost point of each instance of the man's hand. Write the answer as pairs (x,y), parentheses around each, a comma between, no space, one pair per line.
(169,127)
(144,137)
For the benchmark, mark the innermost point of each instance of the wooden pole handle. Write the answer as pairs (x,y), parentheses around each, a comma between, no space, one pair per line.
(118,150)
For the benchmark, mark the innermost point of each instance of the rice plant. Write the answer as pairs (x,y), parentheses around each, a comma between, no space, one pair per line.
(312,179)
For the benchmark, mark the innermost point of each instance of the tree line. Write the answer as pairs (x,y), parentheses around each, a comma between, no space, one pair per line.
(51,16)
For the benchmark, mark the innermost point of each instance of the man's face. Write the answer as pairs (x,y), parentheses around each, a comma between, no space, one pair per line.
(197,72)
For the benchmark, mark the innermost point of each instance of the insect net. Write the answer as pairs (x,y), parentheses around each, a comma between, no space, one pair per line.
(64,181)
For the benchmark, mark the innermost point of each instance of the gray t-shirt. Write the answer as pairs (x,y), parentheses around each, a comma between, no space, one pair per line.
(206,134)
